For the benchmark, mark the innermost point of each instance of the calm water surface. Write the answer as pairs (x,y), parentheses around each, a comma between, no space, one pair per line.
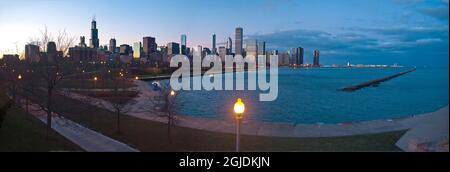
(312,96)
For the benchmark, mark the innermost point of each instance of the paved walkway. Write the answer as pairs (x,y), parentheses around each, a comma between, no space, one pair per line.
(143,109)
(430,135)
(87,139)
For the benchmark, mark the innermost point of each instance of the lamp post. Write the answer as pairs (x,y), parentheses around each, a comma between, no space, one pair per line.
(95,86)
(239,109)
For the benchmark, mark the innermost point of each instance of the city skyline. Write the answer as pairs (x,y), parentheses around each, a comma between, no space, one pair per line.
(422,32)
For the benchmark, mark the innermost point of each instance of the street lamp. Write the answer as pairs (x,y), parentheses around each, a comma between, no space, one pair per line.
(95,85)
(19,77)
(239,109)
(137,77)
(172,93)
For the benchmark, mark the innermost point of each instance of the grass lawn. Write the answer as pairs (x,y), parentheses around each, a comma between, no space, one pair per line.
(152,136)
(123,96)
(91,84)
(24,133)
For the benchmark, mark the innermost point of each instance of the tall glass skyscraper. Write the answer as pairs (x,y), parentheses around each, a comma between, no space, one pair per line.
(262,48)
(229,45)
(149,45)
(137,49)
(252,48)
(94,42)
(239,41)
(112,45)
(214,49)
(316,58)
(183,44)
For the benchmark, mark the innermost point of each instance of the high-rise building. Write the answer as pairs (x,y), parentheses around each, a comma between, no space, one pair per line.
(316,58)
(137,50)
(198,51)
(222,53)
(239,41)
(262,48)
(51,48)
(206,51)
(183,45)
(229,46)
(125,49)
(214,49)
(283,59)
(252,48)
(112,45)
(82,42)
(32,53)
(52,52)
(297,56)
(173,48)
(94,42)
(149,46)
(83,54)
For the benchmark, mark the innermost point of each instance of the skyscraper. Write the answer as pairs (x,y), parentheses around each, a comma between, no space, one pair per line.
(125,49)
(149,46)
(297,56)
(316,58)
(222,53)
(262,48)
(112,45)
(52,52)
(252,48)
(239,41)
(214,49)
(183,45)
(229,46)
(300,55)
(82,42)
(137,49)
(173,48)
(94,42)
(32,53)
(199,51)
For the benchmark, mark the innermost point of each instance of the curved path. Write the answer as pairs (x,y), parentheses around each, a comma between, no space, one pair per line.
(87,139)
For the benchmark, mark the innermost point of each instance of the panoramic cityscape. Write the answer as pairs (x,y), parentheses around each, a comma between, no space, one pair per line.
(181,77)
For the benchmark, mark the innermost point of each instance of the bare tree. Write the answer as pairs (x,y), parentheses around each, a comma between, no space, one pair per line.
(165,101)
(49,72)
(63,40)
(118,99)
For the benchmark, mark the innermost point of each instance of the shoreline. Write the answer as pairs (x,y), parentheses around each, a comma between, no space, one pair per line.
(280,129)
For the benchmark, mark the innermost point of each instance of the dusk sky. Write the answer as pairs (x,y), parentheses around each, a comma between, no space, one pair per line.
(408,32)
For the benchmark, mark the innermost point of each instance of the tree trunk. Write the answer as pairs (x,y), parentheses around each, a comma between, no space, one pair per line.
(118,121)
(49,110)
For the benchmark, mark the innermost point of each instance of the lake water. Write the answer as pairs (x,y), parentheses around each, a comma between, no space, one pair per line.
(311,96)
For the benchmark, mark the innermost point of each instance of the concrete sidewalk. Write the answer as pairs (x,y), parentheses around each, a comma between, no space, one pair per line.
(430,135)
(87,139)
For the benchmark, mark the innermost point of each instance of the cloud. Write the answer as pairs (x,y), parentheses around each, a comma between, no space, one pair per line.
(440,13)
(435,9)
(406,43)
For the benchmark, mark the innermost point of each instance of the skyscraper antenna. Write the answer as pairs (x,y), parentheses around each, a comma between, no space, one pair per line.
(93,17)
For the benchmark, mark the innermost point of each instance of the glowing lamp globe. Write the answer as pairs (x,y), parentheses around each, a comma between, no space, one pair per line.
(239,108)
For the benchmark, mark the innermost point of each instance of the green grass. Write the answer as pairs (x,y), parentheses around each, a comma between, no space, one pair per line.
(24,133)
(152,136)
